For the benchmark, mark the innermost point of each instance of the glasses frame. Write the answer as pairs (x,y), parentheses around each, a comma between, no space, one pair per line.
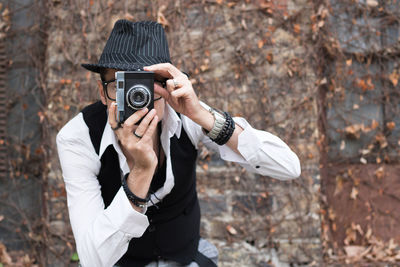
(105,84)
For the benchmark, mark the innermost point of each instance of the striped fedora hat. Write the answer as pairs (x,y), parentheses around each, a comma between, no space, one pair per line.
(133,45)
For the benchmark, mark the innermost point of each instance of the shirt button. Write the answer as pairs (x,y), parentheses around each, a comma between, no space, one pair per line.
(257,167)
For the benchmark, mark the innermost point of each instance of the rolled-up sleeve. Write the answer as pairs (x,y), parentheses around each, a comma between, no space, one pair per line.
(102,235)
(260,151)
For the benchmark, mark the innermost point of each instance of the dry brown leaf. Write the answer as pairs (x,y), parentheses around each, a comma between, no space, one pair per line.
(351,236)
(129,16)
(354,131)
(354,251)
(391,125)
(231,229)
(372,3)
(297,28)
(380,172)
(4,257)
(160,16)
(260,43)
(244,25)
(392,245)
(394,78)
(381,139)
(354,193)
(331,214)
(365,84)
(342,145)
(339,185)
(374,124)
(358,228)
(368,234)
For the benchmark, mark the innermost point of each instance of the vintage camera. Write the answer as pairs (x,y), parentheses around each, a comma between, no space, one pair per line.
(135,91)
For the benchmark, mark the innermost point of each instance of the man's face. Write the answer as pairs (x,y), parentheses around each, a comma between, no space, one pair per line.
(111,92)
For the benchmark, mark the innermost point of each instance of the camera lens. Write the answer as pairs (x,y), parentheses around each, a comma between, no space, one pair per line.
(138,97)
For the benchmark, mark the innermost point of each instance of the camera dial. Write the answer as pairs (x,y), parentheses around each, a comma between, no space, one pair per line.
(138,97)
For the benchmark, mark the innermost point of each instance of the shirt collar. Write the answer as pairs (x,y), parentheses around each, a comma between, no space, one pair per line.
(172,125)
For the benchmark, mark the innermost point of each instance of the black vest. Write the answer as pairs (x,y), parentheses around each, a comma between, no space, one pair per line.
(173,233)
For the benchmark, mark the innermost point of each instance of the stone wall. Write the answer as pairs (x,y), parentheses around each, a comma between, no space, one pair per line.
(251,58)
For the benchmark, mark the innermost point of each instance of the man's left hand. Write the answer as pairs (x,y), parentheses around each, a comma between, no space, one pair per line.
(179,93)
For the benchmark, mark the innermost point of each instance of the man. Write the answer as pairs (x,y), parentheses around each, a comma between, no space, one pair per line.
(131,189)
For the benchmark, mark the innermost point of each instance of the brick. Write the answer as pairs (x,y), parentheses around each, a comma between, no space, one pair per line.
(212,205)
(251,204)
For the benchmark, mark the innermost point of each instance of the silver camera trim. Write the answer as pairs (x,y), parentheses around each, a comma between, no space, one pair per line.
(120,77)
(145,89)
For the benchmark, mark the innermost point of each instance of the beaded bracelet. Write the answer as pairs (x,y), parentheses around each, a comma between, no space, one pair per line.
(137,201)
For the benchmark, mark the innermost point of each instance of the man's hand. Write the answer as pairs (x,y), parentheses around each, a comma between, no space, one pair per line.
(137,142)
(179,92)
(137,145)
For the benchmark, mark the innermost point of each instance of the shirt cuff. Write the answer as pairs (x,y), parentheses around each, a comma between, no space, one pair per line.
(251,144)
(248,143)
(124,217)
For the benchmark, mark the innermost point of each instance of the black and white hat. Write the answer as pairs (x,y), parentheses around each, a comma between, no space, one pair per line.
(133,45)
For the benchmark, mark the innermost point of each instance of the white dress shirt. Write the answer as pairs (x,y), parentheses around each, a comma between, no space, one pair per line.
(102,235)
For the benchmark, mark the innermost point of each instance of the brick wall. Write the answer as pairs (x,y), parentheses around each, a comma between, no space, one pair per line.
(251,58)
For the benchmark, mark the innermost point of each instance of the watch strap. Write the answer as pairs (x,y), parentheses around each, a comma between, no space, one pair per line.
(219,122)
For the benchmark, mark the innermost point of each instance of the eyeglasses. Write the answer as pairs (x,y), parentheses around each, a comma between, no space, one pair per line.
(111,91)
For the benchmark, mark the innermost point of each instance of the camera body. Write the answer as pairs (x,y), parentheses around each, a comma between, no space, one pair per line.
(135,91)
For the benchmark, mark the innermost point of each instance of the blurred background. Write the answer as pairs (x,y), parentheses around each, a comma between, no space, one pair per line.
(323,75)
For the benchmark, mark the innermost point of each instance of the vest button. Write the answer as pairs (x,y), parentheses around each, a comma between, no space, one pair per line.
(152,228)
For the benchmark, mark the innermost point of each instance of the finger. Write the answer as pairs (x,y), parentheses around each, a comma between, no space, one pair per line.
(170,85)
(166,70)
(112,115)
(147,136)
(179,93)
(141,129)
(161,91)
(134,118)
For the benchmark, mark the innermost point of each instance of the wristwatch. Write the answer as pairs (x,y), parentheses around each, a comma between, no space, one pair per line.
(218,124)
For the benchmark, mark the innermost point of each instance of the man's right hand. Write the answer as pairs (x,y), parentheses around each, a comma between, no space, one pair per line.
(138,151)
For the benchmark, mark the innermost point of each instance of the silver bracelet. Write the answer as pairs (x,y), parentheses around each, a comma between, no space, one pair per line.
(219,123)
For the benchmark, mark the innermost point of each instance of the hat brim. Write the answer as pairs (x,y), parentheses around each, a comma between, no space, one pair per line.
(119,66)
